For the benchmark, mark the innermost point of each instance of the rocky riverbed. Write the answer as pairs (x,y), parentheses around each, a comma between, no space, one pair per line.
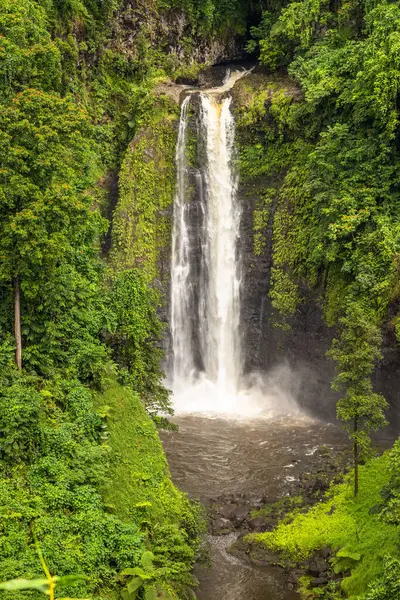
(242,515)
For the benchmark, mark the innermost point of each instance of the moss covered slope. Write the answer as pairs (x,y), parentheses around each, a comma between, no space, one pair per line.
(139,488)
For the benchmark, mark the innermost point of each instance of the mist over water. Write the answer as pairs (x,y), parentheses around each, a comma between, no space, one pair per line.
(206,377)
(260,396)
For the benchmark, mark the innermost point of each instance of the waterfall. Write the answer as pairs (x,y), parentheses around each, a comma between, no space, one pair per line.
(219,331)
(205,274)
(206,372)
(181,284)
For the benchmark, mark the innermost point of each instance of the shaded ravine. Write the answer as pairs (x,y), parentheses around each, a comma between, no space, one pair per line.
(260,459)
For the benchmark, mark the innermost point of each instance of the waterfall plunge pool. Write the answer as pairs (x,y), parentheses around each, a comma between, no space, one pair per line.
(211,457)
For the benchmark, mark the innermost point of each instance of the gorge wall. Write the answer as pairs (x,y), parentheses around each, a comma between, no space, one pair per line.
(142,238)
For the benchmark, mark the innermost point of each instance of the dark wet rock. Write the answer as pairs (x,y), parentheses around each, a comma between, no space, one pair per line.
(261,524)
(241,514)
(192,81)
(220,526)
(228,511)
(237,513)
(241,549)
(212,76)
(290,587)
(319,582)
(295,575)
(326,552)
(258,503)
(264,558)
(317,566)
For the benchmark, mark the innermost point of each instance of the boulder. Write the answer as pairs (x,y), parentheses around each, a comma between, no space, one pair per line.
(221,526)
(228,511)
(326,552)
(260,524)
(317,567)
(295,575)
(237,513)
(319,582)
(241,514)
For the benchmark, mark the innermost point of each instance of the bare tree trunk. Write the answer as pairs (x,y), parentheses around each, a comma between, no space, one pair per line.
(355,455)
(17,323)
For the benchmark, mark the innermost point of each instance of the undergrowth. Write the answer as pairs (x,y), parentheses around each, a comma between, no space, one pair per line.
(139,488)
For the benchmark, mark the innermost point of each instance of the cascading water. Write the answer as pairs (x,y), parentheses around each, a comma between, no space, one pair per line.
(181,296)
(205,271)
(219,330)
(205,302)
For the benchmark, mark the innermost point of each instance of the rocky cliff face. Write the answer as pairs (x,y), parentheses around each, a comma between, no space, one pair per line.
(304,344)
(140,25)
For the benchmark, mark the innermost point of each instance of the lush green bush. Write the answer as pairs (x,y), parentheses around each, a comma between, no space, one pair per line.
(54,460)
(386,587)
(134,336)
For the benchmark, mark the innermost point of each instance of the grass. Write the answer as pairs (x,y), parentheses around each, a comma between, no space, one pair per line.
(343,523)
(140,484)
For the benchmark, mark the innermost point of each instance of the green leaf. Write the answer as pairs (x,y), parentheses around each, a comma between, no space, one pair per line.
(129,571)
(345,553)
(150,594)
(134,585)
(147,560)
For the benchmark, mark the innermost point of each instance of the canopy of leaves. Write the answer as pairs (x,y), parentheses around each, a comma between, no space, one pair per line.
(59,129)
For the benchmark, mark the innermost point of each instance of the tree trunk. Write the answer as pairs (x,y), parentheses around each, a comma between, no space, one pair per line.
(17,323)
(355,454)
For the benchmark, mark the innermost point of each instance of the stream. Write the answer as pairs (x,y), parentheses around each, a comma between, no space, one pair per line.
(210,457)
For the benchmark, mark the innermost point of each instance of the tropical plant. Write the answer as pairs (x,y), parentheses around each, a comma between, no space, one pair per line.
(148,579)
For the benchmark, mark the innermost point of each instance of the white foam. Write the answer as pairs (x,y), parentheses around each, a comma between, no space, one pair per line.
(268,396)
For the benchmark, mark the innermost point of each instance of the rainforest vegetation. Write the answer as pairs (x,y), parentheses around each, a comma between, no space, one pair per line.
(85,487)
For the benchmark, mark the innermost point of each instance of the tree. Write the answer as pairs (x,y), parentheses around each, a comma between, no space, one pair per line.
(48,229)
(28,56)
(356,353)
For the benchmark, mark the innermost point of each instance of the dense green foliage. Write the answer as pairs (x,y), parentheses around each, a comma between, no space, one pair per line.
(81,465)
(333,147)
(141,225)
(139,488)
